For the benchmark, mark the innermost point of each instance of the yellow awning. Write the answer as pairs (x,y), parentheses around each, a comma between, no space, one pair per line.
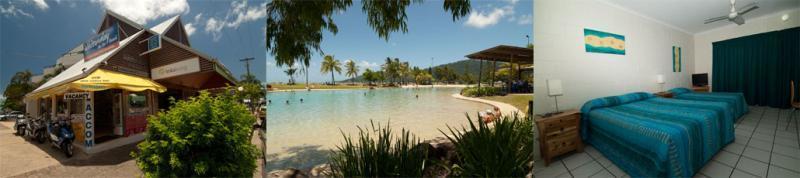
(103,80)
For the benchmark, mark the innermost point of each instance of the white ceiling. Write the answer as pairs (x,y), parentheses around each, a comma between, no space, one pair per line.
(689,15)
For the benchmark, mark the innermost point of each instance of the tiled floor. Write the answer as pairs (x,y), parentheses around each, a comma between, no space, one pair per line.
(767,145)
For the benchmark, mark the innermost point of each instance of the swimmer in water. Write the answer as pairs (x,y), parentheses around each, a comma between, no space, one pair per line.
(301,100)
(417,96)
(287,101)
(269,101)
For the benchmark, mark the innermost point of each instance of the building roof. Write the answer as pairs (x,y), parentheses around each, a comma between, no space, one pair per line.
(505,53)
(83,67)
(165,25)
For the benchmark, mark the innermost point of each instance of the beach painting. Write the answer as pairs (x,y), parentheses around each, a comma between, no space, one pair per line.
(676,59)
(603,42)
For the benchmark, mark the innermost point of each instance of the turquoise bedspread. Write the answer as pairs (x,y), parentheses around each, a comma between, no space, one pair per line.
(736,99)
(648,136)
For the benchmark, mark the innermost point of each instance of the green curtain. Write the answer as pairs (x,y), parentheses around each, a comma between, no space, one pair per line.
(760,66)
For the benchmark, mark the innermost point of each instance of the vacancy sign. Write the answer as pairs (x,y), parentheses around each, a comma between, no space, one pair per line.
(175,69)
(101,43)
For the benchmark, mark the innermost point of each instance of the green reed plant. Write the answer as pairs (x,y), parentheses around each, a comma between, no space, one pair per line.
(381,156)
(500,151)
(483,91)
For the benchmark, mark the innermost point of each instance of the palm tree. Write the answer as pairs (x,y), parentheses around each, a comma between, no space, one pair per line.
(329,64)
(352,70)
(305,71)
(291,71)
(404,71)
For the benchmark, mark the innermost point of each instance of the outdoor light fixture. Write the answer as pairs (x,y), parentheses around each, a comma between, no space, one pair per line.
(554,89)
(785,17)
(660,81)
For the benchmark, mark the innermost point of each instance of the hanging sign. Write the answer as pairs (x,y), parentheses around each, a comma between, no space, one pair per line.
(76,96)
(88,121)
(102,42)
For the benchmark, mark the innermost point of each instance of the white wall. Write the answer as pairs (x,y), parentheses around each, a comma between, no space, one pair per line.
(703,48)
(560,53)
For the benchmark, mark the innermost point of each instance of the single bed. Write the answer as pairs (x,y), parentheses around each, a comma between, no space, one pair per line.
(736,99)
(648,136)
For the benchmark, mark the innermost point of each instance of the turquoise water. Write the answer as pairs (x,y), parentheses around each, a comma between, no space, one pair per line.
(300,132)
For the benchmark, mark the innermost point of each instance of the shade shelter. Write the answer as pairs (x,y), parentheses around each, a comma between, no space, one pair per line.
(503,53)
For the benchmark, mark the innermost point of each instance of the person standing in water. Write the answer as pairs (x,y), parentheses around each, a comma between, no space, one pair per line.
(301,100)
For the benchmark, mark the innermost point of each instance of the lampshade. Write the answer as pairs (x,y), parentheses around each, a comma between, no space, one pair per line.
(660,79)
(554,88)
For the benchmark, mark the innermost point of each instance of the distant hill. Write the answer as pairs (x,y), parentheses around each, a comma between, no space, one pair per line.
(459,67)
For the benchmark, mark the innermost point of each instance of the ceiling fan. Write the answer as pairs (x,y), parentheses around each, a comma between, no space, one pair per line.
(734,16)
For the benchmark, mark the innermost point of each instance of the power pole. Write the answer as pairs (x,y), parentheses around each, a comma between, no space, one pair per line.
(247,63)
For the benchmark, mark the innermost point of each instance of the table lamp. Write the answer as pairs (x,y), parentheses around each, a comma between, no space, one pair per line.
(554,89)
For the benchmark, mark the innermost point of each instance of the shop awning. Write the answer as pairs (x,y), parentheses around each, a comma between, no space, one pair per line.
(102,80)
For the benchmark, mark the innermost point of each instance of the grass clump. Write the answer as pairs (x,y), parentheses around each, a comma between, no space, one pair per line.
(483,91)
(504,150)
(381,156)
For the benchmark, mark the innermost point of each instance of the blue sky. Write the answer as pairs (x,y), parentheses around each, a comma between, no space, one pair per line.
(34,33)
(431,34)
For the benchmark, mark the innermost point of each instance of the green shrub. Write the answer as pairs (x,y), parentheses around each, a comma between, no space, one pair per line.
(483,91)
(378,157)
(502,151)
(200,137)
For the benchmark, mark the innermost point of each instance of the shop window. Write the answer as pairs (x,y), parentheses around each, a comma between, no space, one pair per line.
(137,100)
(76,106)
(137,104)
(61,105)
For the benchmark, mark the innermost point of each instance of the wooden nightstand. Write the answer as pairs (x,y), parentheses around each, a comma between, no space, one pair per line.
(700,89)
(664,94)
(559,134)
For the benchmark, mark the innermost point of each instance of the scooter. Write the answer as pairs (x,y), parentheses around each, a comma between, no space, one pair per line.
(61,135)
(20,125)
(36,129)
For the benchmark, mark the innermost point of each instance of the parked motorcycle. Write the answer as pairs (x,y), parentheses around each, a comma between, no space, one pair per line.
(20,125)
(61,135)
(36,129)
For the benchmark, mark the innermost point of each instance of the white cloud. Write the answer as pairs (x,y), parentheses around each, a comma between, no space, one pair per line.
(142,11)
(483,19)
(13,11)
(189,27)
(197,17)
(214,27)
(367,64)
(40,4)
(512,1)
(525,19)
(240,12)
(245,14)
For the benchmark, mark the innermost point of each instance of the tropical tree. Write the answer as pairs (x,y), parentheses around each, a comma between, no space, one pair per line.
(404,71)
(329,64)
(16,89)
(58,69)
(389,69)
(294,28)
(291,71)
(249,78)
(305,72)
(352,70)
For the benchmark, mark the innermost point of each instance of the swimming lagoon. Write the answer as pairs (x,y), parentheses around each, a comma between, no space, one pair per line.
(301,134)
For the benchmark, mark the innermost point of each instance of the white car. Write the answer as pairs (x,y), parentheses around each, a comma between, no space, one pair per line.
(12,115)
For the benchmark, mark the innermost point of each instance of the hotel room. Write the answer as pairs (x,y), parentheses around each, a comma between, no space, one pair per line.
(680,88)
